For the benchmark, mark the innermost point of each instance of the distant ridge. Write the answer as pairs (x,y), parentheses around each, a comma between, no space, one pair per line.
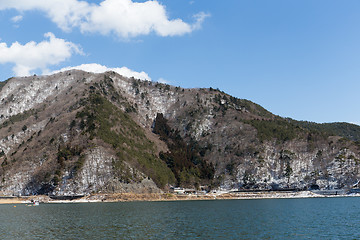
(346,130)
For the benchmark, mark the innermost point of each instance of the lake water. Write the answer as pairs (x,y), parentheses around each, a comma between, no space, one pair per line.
(316,218)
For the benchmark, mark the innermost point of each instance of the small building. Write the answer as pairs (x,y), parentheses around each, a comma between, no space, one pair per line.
(177,190)
(189,190)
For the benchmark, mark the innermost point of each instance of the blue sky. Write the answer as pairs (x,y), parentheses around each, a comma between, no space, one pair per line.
(298,58)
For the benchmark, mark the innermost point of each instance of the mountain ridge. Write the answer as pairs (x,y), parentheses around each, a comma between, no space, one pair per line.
(77,133)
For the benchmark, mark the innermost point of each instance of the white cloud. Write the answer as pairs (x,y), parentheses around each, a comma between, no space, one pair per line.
(162,80)
(97,68)
(200,17)
(123,18)
(32,55)
(17,18)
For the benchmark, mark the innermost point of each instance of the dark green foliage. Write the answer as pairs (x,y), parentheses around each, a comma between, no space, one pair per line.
(17,118)
(101,119)
(79,163)
(288,170)
(72,124)
(357,144)
(67,152)
(185,160)
(4,163)
(51,120)
(286,155)
(230,167)
(56,180)
(161,127)
(82,124)
(280,130)
(3,83)
(347,130)
(162,86)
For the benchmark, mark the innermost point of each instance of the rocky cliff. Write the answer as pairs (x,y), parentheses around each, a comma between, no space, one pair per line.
(77,133)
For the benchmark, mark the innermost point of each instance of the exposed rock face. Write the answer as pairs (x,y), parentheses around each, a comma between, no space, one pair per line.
(97,175)
(77,133)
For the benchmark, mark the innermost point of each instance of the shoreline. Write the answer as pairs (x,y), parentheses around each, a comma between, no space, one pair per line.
(158,197)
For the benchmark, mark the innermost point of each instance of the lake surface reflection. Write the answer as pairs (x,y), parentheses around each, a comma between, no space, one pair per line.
(315,218)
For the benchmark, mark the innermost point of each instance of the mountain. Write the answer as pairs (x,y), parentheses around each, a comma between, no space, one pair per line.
(79,133)
(347,130)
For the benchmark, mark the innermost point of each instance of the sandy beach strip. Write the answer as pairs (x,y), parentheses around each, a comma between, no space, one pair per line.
(11,200)
(132,197)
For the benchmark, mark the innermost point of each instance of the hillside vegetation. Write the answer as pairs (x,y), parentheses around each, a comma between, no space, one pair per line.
(79,133)
(102,119)
(347,130)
